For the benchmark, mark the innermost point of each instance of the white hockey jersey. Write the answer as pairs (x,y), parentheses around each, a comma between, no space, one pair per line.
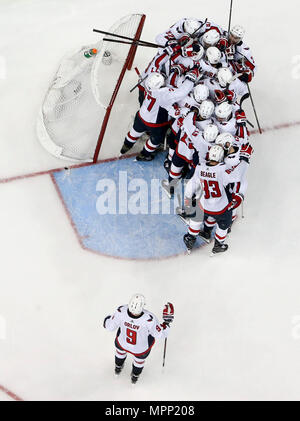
(213,180)
(135,334)
(156,102)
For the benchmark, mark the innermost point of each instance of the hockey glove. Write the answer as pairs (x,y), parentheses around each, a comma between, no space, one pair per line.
(183,40)
(240,117)
(230,95)
(178,68)
(236,201)
(219,96)
(172,49)
(223,44)
(246,152)
(246,76)
(193,75)
(168,313)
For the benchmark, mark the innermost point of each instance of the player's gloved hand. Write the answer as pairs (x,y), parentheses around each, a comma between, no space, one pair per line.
(178,68)
(236,201)
(104,321)
(223,44)
(183,40)
(193,75)
(246,76)
(230,95)
(241,118)
(219,96)
(171,43)
(168,313)
(246,152)
(230,51)
(172,49)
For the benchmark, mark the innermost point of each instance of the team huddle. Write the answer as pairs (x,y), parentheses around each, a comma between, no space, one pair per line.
(191,96)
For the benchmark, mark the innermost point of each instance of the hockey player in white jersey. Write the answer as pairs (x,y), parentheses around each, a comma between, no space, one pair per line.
(182,30)
(231,121)
(153,116)
(212,178)
(137,329)
(238,54)
(178,112)
(198,118)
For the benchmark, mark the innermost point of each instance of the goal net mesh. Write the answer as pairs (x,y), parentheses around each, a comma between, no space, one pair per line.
(75,104)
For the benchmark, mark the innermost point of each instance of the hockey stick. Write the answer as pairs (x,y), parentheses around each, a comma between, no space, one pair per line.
(229,22)
(126,38)
(117,41)
(135,86)
(254,109)
(165,350)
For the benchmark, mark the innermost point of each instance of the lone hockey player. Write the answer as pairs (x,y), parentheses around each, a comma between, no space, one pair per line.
(137,329)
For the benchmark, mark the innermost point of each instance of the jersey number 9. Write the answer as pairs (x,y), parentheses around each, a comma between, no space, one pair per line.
(131,336)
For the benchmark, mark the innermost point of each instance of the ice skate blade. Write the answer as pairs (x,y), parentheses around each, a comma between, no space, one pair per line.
(205,239)
(186,221)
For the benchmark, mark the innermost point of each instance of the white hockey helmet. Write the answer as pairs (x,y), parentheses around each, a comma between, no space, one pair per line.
(213,55)
(238,32)
(223,111)
(210,133)
(200,93)
(136,304)
(216,153)
(155,81)
(206,109)
(226,140)
(211,38)
(191,25)
(224,76)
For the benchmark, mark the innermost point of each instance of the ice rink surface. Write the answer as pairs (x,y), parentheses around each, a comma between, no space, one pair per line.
(236,333)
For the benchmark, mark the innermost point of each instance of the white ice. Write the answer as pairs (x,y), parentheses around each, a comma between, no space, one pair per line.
(236,333)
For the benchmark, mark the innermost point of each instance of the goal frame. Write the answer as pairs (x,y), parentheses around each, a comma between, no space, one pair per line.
(127,66)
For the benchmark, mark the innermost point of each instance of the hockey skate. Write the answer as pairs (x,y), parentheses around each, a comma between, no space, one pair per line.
(167,165)
(205,234)
(125,148)
(134,378)
(142,157)
(189,241)
(219,248)
(167,188)
(118,369)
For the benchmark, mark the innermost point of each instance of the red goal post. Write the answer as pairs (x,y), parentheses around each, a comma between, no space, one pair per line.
(127,66)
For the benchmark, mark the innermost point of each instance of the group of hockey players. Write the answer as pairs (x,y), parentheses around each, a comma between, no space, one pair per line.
(191,97)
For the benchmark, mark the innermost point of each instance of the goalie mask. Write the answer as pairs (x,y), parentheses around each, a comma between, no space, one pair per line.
(136,304)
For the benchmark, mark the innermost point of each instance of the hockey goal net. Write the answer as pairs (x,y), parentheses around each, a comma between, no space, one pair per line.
(76,109)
